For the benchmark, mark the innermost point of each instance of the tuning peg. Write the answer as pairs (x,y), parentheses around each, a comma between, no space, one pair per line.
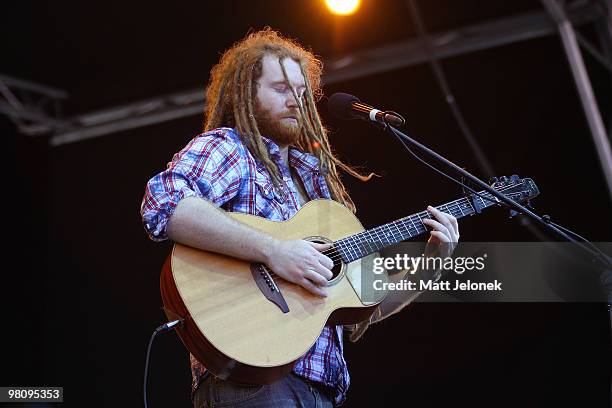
(493,180)
(514,178)
(503,179)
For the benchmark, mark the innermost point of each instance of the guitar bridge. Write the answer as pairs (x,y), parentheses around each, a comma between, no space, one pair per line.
(268,287)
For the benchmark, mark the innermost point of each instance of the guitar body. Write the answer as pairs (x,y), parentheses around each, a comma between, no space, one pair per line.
(236,331)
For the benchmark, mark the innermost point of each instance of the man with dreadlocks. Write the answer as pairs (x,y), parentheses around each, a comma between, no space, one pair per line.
(264,151)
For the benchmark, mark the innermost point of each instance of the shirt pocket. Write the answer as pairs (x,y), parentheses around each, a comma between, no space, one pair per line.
(268,202)
(264,186)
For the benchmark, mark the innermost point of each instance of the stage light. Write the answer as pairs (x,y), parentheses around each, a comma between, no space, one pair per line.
(342,7)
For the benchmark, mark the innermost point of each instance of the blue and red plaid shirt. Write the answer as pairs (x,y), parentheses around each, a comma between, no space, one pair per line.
(218,167)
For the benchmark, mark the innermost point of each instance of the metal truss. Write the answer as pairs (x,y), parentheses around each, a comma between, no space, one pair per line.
(369,62)
(583,84)
(34,108)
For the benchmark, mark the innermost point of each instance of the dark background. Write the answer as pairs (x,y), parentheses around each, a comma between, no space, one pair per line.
(81,277)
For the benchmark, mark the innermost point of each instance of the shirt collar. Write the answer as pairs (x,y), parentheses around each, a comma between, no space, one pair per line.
(303,160)
(297,159)
(273,149)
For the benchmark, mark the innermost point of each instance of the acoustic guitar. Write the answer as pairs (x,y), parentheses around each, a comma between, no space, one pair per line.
(248,325)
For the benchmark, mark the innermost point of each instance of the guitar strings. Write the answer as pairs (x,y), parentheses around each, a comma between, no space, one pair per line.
(452,207)
(336,257)
(374,238)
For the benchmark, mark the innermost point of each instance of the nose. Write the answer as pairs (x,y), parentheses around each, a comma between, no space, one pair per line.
(290,101)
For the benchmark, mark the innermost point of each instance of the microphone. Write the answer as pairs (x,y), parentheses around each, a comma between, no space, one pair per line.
(345,106)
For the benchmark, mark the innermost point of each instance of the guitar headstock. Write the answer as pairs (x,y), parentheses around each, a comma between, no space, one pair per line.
(520,190)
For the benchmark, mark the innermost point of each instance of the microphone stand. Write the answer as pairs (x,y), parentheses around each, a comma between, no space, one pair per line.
(603,260)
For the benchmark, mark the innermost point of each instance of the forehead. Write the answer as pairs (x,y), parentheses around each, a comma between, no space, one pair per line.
(271,71)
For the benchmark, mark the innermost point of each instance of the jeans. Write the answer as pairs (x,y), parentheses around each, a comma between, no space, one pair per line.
(291,391)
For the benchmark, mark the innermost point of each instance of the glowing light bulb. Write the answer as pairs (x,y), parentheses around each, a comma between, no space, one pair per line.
(342,7)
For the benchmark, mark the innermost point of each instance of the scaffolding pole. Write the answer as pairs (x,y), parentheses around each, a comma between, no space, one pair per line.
(585,90)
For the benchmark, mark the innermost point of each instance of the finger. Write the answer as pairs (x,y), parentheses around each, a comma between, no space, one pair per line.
(440,236)
(312,288)
(449,221)
(455,226)
(315,277)
(321,270)
(442,217)
(436,226)
(320,247)
(325,261)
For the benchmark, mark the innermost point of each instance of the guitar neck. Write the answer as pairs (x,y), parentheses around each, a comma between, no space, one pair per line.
(373,240)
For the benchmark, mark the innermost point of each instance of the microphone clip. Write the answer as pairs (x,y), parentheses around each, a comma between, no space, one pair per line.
(392,118)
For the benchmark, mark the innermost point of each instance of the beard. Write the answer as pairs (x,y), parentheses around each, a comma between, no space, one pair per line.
(283,132)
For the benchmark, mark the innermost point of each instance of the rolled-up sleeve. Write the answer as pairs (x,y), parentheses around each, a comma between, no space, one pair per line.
(209,167)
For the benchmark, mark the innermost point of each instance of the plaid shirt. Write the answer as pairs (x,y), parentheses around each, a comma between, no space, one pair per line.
(217,166)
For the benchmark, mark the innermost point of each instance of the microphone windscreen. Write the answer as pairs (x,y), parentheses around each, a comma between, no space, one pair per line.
(339,105)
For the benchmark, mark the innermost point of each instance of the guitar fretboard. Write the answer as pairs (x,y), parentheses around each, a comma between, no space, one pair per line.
(369,241)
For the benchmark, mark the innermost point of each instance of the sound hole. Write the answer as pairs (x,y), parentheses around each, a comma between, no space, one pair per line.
(333,254)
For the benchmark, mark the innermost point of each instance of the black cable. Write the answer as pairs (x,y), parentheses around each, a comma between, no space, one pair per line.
(146,370)
(583,239)
(440,171)
(161,329)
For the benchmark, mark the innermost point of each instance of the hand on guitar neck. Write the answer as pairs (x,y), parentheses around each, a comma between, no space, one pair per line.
(444,235)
